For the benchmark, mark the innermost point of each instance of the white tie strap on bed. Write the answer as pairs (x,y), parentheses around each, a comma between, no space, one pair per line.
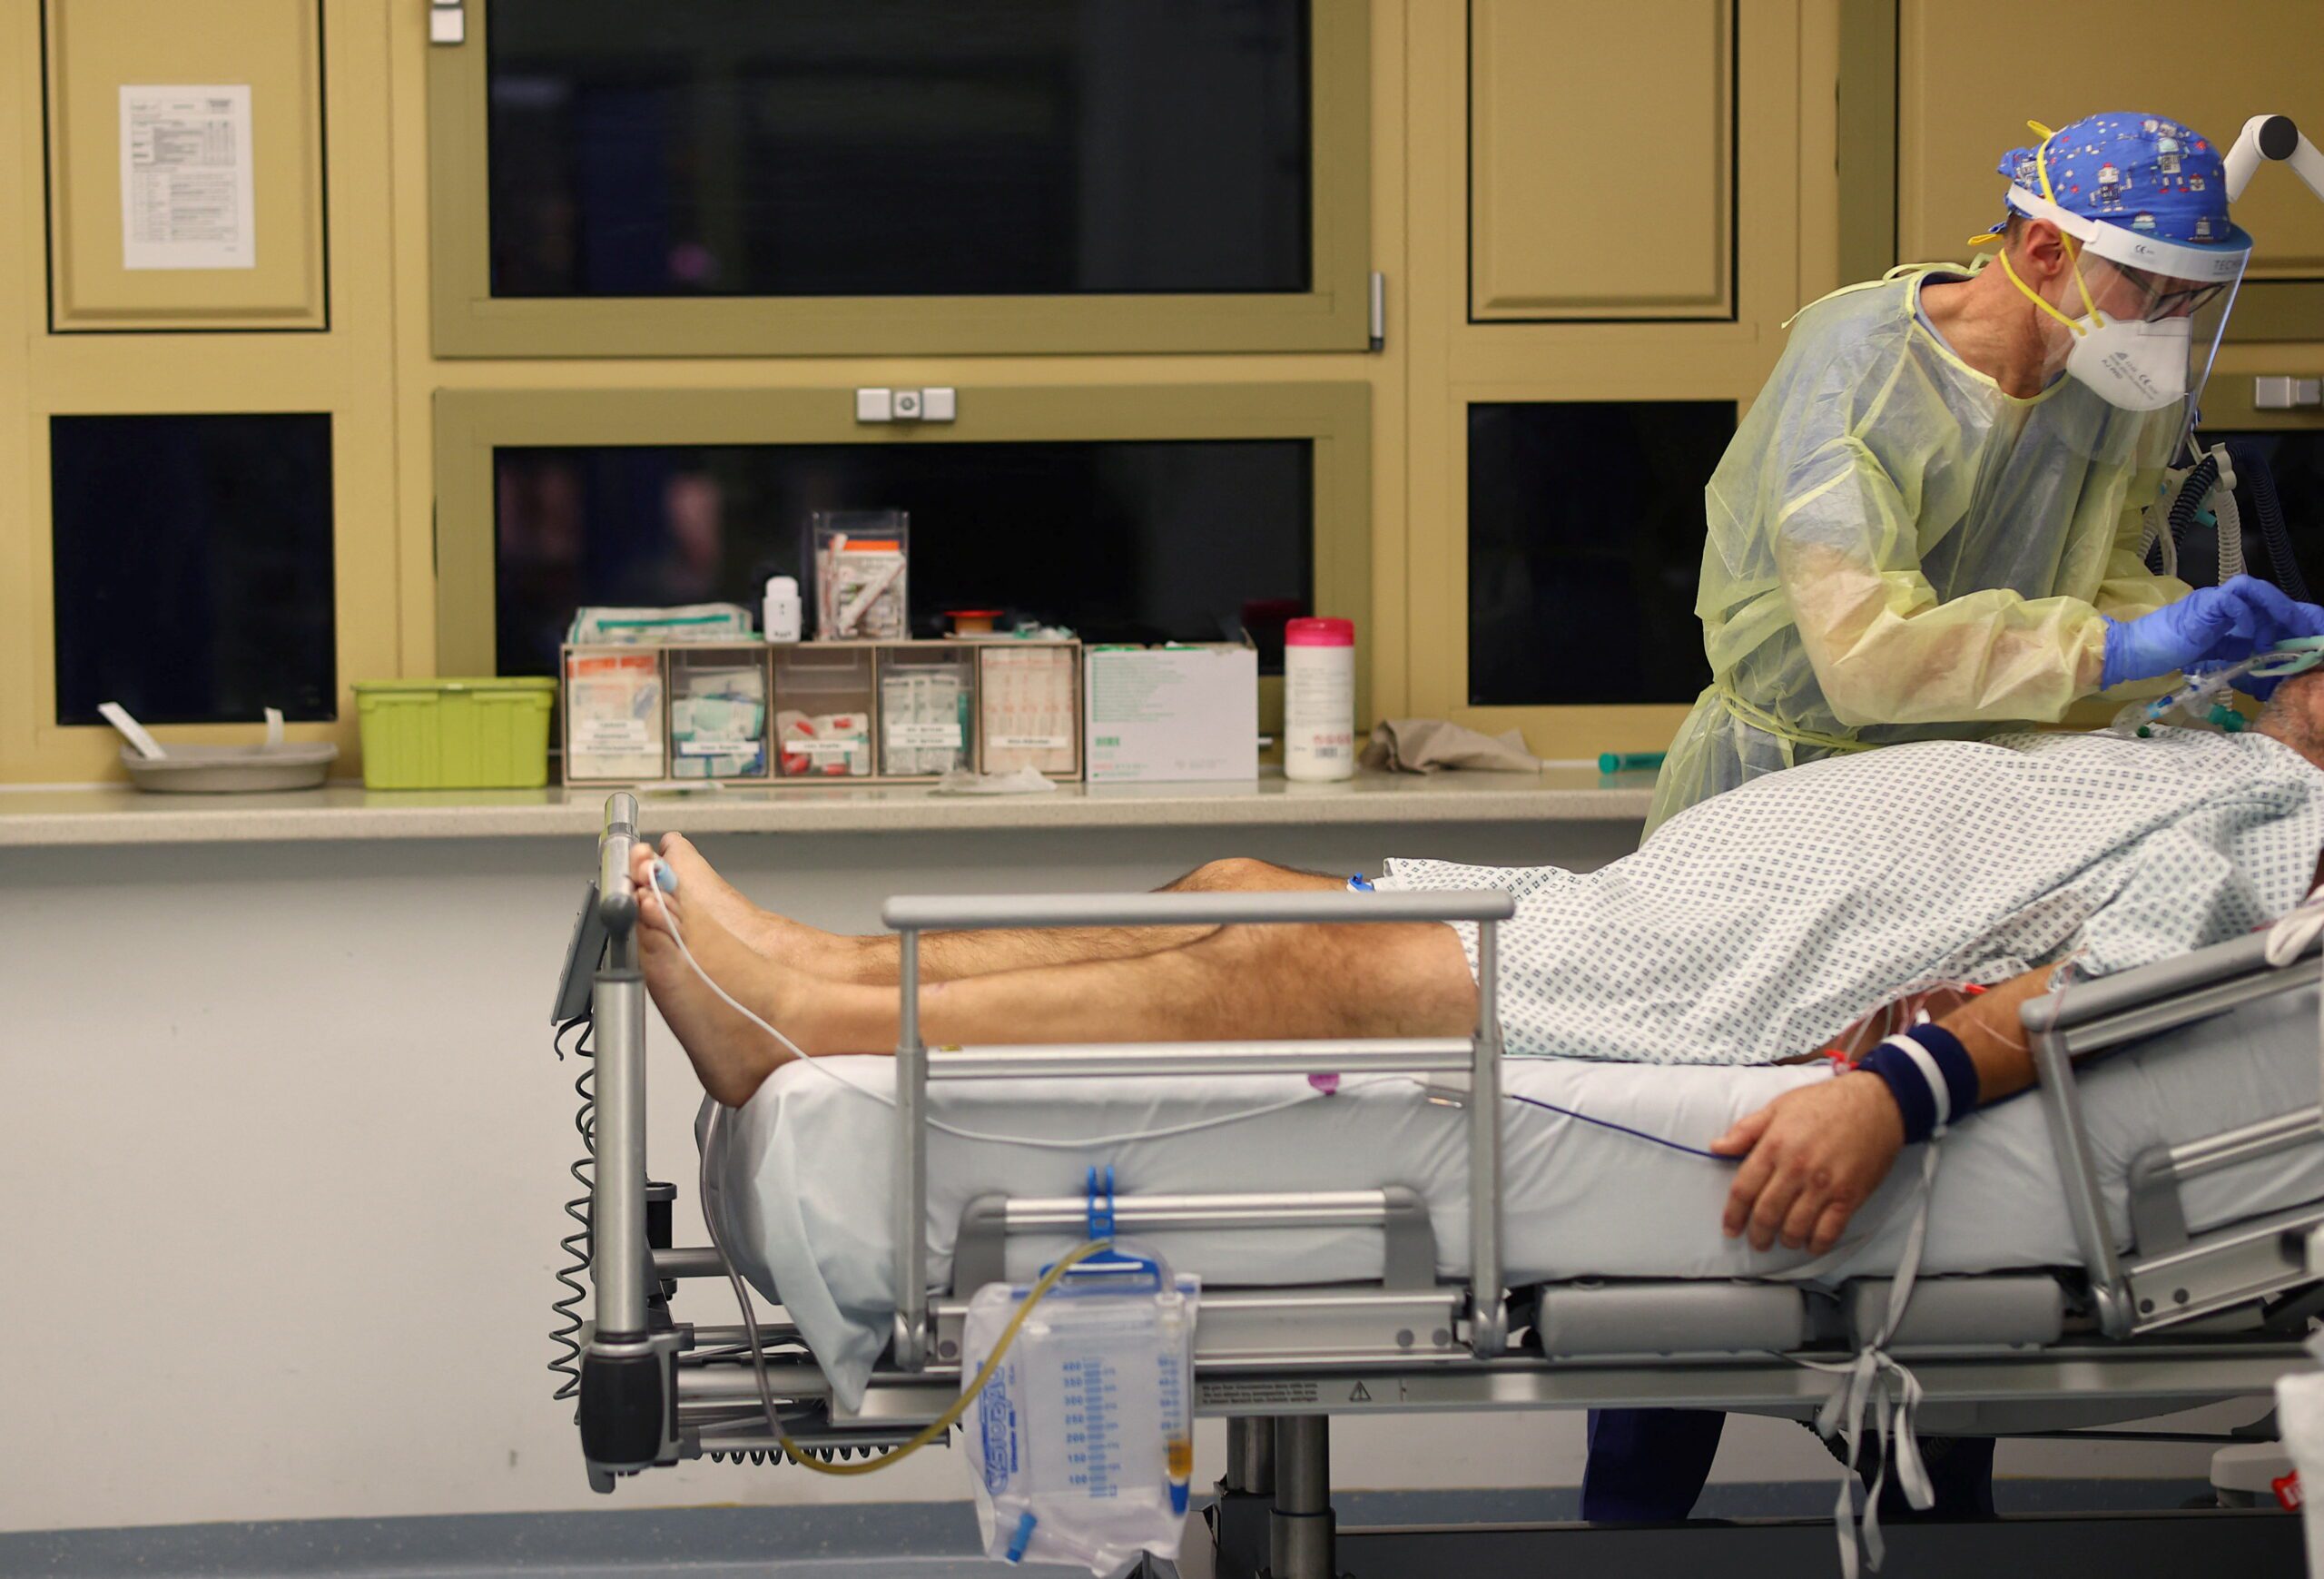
(2130,1241)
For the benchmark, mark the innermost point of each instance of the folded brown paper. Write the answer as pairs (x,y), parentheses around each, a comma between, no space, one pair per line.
(1433,744)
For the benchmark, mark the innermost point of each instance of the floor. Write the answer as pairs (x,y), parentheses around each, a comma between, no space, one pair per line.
(872,1541)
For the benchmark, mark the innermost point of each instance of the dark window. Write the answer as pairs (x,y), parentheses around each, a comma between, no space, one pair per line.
(193,567)
(1585,543)
(1122,541)
(2294,461)
(898,147)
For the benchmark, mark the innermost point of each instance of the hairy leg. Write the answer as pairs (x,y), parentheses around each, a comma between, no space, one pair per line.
(1378,980)
(948,956)
(952,956)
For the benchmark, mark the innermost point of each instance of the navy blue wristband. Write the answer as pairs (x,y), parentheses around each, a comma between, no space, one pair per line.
(1931,1076)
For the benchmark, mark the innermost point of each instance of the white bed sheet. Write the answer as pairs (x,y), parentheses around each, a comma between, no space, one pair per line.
(801,1179)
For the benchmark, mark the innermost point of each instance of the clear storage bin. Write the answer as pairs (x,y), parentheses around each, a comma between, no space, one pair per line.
(926,710)
(613,714)
(825,697)
(1028,707)
(718,713)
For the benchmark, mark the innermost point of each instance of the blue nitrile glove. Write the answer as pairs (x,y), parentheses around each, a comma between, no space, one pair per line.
(2279,617)
(2209,623)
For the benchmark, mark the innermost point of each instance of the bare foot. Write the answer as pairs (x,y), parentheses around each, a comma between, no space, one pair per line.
(778,937)
(730,1053)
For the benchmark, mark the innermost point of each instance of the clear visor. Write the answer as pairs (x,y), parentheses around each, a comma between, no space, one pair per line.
(2177,317)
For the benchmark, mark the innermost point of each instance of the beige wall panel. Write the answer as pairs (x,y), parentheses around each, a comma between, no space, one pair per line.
(1603,157)
(21,313)
(1970,73)
(94,47)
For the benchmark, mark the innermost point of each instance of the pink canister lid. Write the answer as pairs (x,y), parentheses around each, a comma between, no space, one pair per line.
(1319,633)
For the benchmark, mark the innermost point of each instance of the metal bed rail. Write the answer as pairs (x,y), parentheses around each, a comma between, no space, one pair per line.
(2170,1276)
(1468,1070)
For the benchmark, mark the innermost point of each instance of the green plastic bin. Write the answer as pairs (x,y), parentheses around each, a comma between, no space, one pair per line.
(490,733)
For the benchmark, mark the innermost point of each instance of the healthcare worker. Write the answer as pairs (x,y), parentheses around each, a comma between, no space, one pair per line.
(1933,523)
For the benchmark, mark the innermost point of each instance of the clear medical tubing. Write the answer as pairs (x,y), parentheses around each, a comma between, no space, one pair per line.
(1319,700)
(1933,1001)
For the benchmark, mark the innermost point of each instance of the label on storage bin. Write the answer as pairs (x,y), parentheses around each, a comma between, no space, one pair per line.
(909,737)
(600,733)
(1030,742)
(820,749)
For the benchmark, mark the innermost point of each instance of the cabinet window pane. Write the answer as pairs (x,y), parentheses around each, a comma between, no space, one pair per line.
(1186,540)
(1585,545)
(898,147)
(192,559)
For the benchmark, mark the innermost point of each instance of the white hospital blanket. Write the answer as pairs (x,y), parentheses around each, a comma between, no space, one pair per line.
(1752,927)
(803,1177)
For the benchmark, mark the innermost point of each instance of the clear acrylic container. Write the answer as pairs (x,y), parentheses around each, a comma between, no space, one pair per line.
(613,714)
(718,713)
(1028,707)
(926,710)
(824,698)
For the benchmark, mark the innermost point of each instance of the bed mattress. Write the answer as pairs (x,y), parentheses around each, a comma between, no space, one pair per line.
(801,1179)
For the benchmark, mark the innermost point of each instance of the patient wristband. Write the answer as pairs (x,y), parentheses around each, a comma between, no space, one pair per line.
(1930,1074)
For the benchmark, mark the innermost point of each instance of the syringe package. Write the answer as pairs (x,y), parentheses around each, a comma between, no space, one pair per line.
(1082,1443)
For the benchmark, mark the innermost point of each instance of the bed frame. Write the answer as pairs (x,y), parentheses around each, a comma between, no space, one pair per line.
(2181,1319)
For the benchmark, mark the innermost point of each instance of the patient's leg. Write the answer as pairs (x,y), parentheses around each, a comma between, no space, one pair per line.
(1379,980)
(947,956)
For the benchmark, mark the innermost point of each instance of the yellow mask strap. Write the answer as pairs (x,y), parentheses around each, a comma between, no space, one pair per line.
(2036,298)
(2041,168)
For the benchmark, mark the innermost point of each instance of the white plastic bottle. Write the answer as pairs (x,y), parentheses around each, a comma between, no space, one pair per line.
(780,618)
(1319,700)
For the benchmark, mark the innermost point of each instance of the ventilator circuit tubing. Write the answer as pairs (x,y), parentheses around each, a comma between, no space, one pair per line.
(2252,467)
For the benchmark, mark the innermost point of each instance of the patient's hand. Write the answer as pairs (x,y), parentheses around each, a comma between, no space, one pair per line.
(1810,1158)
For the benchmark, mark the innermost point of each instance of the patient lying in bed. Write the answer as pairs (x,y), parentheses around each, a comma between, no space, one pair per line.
(1748,930)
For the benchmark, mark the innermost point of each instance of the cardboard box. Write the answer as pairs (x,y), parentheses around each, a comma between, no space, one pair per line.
(1168,713)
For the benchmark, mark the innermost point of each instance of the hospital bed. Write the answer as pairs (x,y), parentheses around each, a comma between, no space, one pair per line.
(2148,1277)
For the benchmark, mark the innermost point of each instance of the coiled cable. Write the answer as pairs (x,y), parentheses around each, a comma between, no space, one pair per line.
(575,1245)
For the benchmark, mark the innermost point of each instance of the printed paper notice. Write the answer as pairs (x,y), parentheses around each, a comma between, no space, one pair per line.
(185,178)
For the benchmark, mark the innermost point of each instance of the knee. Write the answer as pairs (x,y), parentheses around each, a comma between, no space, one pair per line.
(1235,875)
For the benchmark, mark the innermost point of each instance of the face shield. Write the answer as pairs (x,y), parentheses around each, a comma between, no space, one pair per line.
(2145,314)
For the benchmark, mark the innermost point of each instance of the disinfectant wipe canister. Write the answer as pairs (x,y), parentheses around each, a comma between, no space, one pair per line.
(1319,698)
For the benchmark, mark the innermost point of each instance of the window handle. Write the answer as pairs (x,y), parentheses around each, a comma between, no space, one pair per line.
(447,22)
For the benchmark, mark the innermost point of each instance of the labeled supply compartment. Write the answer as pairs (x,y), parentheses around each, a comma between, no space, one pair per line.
(815,712)
(927,702)
(613,724)
(1028,707)
(718,712)
(824,694)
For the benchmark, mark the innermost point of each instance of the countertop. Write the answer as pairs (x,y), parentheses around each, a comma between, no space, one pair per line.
(85,815)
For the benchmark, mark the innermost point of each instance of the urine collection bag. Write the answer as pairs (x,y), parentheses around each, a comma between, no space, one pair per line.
(1081,1444)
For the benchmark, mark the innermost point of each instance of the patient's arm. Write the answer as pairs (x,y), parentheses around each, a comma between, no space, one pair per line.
(1813,1156)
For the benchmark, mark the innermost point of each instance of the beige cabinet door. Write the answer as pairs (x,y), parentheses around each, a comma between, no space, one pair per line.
(1601,160)
(173,209)
(1970,73)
